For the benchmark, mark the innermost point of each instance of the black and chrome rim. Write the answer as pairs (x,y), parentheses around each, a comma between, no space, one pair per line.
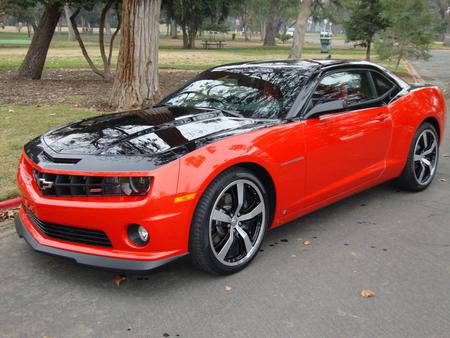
(425,157)
(237,222)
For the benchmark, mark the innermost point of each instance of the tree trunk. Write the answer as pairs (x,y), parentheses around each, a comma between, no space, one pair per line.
(272,24)
(28,29)
(400,57)
(34,61)
(83,24)
(68,14)
(270,33)
(246,32)
(173,29)
(108,22)
(304,12)
(136,83)
(263,30)
(447,32)
(185,38)
(369,45)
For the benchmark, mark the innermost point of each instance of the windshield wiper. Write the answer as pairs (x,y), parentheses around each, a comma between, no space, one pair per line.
(233,113)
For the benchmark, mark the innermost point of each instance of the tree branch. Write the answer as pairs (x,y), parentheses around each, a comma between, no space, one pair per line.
(113,36)
(101,37)
(80,42)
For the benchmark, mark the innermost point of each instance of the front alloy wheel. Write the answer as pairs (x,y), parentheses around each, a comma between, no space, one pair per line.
(230,222)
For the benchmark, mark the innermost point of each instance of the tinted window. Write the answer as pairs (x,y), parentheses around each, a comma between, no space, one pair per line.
(257,92)
(352,87)
(382,84)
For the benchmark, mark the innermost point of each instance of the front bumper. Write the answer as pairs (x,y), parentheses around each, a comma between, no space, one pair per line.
(108,263)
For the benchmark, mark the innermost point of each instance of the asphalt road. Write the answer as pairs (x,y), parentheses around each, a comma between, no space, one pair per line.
(392,242)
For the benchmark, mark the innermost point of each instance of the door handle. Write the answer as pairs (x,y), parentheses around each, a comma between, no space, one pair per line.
(382,117)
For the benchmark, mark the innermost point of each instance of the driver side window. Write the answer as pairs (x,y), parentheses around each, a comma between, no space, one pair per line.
(352,87)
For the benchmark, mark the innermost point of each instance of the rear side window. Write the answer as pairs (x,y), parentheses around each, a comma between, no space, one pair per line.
(352,87)
(382,84)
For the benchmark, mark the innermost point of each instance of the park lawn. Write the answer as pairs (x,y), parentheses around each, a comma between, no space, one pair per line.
(171,57)
(67,54)
(20,124)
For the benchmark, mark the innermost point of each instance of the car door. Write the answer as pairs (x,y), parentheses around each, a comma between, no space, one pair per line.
(345,149)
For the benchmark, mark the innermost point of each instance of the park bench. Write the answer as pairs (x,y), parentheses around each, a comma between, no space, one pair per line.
(212,44)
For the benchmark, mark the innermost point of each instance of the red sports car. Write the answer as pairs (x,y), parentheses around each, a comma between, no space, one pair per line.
(240,149)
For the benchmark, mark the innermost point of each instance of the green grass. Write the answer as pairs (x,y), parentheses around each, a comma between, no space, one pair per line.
(19,124)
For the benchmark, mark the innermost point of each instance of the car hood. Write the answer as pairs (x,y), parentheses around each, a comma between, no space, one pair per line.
(150,136)
(143,132)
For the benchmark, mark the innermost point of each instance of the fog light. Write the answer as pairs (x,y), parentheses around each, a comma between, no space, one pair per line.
(143,234)
(138,234)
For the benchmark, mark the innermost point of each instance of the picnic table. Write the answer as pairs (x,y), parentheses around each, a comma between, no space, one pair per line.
(215,44)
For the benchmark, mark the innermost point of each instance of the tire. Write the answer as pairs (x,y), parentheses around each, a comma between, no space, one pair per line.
(224,236)
(422,158)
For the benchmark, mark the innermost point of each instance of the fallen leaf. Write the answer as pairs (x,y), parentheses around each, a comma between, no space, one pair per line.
(118,279)
(8,214)
(228,288)
(367,293)
(306,242)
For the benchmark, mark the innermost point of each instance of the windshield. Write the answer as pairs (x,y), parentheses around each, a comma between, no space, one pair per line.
(255,92)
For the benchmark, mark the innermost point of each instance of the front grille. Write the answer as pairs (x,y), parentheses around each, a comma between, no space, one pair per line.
(70,234)
(76,185)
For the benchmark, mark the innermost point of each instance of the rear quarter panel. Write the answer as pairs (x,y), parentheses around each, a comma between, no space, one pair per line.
(408,113)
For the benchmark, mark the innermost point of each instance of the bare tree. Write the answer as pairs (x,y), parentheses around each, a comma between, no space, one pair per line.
(106,58)
(304,12)
(136,83)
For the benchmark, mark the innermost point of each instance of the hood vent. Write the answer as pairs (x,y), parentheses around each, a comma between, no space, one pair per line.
(61,160)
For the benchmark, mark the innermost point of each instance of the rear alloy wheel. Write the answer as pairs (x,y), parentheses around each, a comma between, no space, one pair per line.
(422,160)
(229,223)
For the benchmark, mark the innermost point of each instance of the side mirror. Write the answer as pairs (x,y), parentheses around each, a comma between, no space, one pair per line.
(326,107)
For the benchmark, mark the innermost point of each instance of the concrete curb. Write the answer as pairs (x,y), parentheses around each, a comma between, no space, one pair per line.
(412,71)
(11,203)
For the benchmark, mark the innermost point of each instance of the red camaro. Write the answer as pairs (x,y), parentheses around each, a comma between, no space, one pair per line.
(238,150)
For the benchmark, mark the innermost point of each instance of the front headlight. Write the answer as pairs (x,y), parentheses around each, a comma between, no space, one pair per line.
(129,186)
(133,186)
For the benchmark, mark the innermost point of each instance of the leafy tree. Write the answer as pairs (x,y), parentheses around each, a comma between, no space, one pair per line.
(365,21)
(276,12)
(22,11)
(191,14)
(409,30)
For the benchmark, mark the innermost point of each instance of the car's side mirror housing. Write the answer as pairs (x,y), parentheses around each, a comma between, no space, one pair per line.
(334,106)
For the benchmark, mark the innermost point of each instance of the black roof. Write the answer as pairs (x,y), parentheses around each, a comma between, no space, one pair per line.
(297,63)
(310,65)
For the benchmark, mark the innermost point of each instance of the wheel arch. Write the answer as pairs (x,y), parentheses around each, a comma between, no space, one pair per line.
(264,175)
(435,123)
